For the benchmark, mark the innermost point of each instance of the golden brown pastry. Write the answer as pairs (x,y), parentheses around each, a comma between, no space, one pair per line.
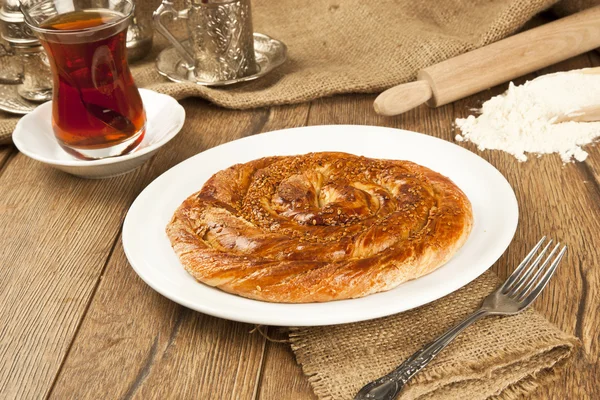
(319,227)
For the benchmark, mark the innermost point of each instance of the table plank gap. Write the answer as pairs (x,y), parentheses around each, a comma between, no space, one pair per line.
(261,368)
(310,104)
(258,125)
(84,313)
(594,57)
(592,163)
(283,379)
(582,303)
(6,153)
(144,371)
(586,169)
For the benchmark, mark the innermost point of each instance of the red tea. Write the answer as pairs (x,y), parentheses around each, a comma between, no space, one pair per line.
(96,103)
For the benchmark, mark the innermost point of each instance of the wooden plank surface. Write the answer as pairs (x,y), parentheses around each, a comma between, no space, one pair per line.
(57,232)
(588,322)
(561,201)
(141,345)
(78,322)
(575,293)
(575,302)
(282,377)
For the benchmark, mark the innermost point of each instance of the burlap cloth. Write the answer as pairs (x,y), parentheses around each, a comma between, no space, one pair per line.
(343,46)
(498,357)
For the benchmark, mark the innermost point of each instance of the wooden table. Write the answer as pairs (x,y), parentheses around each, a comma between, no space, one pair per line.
(77,322)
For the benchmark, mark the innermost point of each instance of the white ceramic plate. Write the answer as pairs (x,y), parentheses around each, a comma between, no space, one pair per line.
(494,204)
(34,137)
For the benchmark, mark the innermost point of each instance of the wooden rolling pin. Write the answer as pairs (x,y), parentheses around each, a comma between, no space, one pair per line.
(496,63)
(590,113)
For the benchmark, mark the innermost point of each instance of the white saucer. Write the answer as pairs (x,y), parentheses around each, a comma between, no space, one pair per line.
(34,137)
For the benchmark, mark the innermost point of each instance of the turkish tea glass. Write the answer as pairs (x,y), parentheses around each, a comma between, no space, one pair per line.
(97,110)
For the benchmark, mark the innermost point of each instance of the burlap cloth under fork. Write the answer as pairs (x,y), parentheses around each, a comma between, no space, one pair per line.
(343,46)
(498,357)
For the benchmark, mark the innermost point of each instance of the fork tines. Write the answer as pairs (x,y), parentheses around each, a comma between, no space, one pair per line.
(528,280)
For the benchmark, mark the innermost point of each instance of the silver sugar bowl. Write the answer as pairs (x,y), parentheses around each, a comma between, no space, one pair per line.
(24,61)
(140,33)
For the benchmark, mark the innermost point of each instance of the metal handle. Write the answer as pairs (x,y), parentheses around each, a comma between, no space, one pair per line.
(15,79)
(387,387)
(167,8)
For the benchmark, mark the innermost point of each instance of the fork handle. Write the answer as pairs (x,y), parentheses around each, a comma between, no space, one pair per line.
(387,387)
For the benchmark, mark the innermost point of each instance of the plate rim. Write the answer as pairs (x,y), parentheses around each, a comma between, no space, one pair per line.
(209,309)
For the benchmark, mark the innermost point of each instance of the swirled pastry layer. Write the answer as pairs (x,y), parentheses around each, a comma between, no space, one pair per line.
(319,227)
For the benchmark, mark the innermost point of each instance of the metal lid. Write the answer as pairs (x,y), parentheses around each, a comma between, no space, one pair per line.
(11,6)
(12,25)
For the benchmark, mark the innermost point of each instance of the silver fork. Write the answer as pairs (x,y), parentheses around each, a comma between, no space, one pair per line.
(521,288)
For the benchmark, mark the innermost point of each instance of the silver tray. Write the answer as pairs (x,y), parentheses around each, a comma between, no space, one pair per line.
(12,102)
(270,53)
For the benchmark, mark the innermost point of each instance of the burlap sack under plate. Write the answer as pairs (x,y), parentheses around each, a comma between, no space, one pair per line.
(498,357)
(343,46)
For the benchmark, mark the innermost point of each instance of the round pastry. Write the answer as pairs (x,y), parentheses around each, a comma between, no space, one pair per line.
(319,227)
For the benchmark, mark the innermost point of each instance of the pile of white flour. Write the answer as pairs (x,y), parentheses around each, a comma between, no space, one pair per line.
(524,118)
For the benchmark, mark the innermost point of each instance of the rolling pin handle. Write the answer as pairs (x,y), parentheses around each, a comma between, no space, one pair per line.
(402,98)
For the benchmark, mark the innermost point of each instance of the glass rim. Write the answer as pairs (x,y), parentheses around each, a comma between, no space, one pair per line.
(36,28)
